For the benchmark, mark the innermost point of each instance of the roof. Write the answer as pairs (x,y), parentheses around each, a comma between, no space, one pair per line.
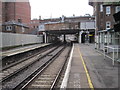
(15,23)
(107,30)
(111,3)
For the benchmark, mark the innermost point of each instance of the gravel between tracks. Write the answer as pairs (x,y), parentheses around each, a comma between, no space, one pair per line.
(47,77)
(20,77)
(22,64)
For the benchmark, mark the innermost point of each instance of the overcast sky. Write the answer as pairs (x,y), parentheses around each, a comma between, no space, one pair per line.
(57,8)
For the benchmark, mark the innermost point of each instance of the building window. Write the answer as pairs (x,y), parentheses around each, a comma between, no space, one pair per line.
(9,28)
(117,9)
(108,23)
(20,20)
(108,11)
(101,8)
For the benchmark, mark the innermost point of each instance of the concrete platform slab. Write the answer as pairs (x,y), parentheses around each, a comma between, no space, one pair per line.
(101,72)
(77,78)
(22,49)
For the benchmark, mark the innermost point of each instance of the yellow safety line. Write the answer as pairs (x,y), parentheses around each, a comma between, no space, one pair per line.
(87,74)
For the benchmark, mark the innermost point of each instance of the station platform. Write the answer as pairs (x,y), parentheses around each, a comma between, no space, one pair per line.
(90,70)
(22,49)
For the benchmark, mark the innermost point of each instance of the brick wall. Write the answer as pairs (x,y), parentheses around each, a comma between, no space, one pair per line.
(23,11)
(110,17)
(34,24)
(56,26)
(62,25)
(22,30)
(101,17)
(17,10)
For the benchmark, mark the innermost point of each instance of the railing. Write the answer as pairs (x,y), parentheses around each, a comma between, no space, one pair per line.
(115,52)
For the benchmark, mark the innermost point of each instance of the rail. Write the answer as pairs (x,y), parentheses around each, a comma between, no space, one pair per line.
(25,71)
(31,77)
(113,50)
(59,73)
(22,68)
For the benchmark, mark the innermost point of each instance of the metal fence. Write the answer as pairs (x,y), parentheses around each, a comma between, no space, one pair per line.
(12,39)
(112,52)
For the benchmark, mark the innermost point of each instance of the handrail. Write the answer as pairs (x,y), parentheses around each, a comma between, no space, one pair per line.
(111,47)
(113,51)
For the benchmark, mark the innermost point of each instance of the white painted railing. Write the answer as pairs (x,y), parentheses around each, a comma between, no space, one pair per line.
(113,50)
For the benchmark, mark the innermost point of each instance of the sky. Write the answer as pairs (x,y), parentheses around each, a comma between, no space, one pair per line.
(57,8)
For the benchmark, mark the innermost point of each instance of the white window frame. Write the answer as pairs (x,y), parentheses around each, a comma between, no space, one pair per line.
(23,29)
(101,8)
(108,24)
(9,28)
(108,10)
(117,9)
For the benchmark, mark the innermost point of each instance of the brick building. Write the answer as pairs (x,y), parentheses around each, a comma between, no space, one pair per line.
(12,27)
(105,33)
(35,23)
(103,12)
(17,13)
(57,23)
(68,23)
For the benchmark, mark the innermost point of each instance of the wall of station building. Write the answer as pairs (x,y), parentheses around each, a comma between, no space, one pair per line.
(103,12)
(10,39)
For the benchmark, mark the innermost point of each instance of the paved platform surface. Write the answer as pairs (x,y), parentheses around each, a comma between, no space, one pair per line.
(77,78)
(22,49)
(102,73)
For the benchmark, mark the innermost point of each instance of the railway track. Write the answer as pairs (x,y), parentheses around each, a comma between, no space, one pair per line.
(7,61)
(14,80)
(51,75)
(13,69)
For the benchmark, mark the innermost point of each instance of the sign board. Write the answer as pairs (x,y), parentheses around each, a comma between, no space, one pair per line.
(87,25)
(42,27)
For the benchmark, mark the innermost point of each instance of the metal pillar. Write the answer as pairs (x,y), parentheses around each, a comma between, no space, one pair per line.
(104,39)
(64,38)
(108,38)
(80,36)
(45,37)
(99,37)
